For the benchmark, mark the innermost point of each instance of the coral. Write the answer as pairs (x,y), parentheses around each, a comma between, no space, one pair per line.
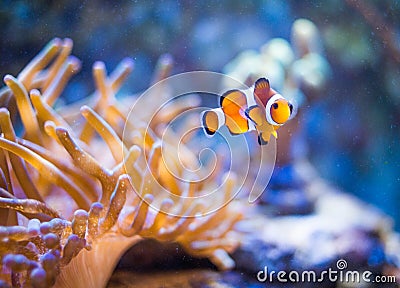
(293,68)
(75,196)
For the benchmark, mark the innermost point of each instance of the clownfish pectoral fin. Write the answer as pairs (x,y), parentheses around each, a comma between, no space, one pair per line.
(233,104)
(264,134)
(274,134)
(254,113)
(261,140)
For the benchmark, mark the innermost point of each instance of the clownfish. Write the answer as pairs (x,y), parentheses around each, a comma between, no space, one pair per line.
(259,108)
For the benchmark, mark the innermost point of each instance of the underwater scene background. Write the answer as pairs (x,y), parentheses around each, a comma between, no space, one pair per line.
(352,131)
(350,124)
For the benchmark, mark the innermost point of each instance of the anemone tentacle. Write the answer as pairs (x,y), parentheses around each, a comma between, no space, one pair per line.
(89,194)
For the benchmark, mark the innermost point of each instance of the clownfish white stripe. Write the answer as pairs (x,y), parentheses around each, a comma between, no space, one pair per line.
(252,127)
(268,109)
(250,102)
(250,97)
(221,116)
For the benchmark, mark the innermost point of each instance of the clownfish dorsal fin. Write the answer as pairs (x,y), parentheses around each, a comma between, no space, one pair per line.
(262,83)
(262,90)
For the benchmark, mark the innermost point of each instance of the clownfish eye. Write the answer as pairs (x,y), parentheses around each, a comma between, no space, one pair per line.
(275,105)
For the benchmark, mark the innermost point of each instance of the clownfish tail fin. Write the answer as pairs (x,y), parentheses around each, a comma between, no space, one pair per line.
(212,120)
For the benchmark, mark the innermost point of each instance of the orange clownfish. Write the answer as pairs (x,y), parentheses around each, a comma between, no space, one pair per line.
(259,108)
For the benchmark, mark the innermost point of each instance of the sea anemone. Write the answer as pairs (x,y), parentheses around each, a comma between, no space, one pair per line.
(75,196)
